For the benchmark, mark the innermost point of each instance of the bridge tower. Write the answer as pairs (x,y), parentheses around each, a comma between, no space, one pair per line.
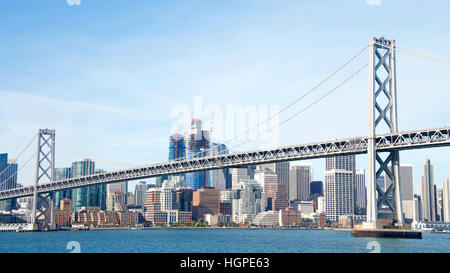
(382,116)
(42,211)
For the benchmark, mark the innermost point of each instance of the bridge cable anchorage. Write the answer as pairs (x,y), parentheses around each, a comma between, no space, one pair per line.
(308,106)
(17,158)
(418,54)
(202,153)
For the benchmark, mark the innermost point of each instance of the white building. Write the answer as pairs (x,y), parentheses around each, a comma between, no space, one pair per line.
(339,186)
(406,190)
(139,193)
(267,218)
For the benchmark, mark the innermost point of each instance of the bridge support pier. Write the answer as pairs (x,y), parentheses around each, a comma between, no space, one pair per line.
(382,113)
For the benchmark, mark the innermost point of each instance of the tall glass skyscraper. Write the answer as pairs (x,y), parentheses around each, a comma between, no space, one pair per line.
(8,180)
(198,145)
(90,195)
(60,174)
(177,151)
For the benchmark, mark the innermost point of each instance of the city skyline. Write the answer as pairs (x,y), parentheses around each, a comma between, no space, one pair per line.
(131,78)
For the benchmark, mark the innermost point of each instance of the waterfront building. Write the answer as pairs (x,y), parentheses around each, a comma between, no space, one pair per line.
(289,217)
(300,182)
(320,204)
(306,208)
(339,186)
(168,197)
(267,218)
(198,145)
(205,200)
(226,202)
(427,193)
(248,200)
(139,193)
(95,216)
(62,216)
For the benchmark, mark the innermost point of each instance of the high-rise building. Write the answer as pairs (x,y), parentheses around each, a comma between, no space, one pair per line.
(446,198)
(417,211)
(247,201)
(237,175)
(168,197)
(360,192)
(177,149)
(204,201)
(427,192)
(300,182)
(8,180)
(198,145)
(116,201)
(276,193)
(406,190)
(89,196)
(139,193)
(316,187)
(280,168)
(439,204)
(184,198)
(220,178)
(60,174)
(339,186)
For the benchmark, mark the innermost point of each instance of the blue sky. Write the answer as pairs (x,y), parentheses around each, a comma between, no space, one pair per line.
(107,75)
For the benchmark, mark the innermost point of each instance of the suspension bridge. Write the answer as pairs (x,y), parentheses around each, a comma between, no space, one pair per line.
(382,149)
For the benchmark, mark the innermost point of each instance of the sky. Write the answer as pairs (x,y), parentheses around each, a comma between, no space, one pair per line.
(116,78)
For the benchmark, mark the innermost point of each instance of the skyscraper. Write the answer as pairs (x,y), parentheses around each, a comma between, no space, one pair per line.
(406,190)
(446,198)
(198,145)
(427,192)
(139,193)
(300,182)
(360,192)
(248,200)
(8,180)
(94,195)
(220,178)
(339,186)
(238,174)
(276,193)
(60,174)
(439,205)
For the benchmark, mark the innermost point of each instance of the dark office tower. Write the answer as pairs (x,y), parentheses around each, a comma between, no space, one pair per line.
(60,174)
(316,187)
(220,178)
(184,198)
(198,145)
(427,192)
(8,180)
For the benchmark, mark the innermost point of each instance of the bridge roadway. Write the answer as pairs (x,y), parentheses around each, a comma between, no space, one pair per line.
(394,141)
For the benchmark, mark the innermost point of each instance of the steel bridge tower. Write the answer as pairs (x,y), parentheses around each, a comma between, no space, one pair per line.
(382,116)
(42,214)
